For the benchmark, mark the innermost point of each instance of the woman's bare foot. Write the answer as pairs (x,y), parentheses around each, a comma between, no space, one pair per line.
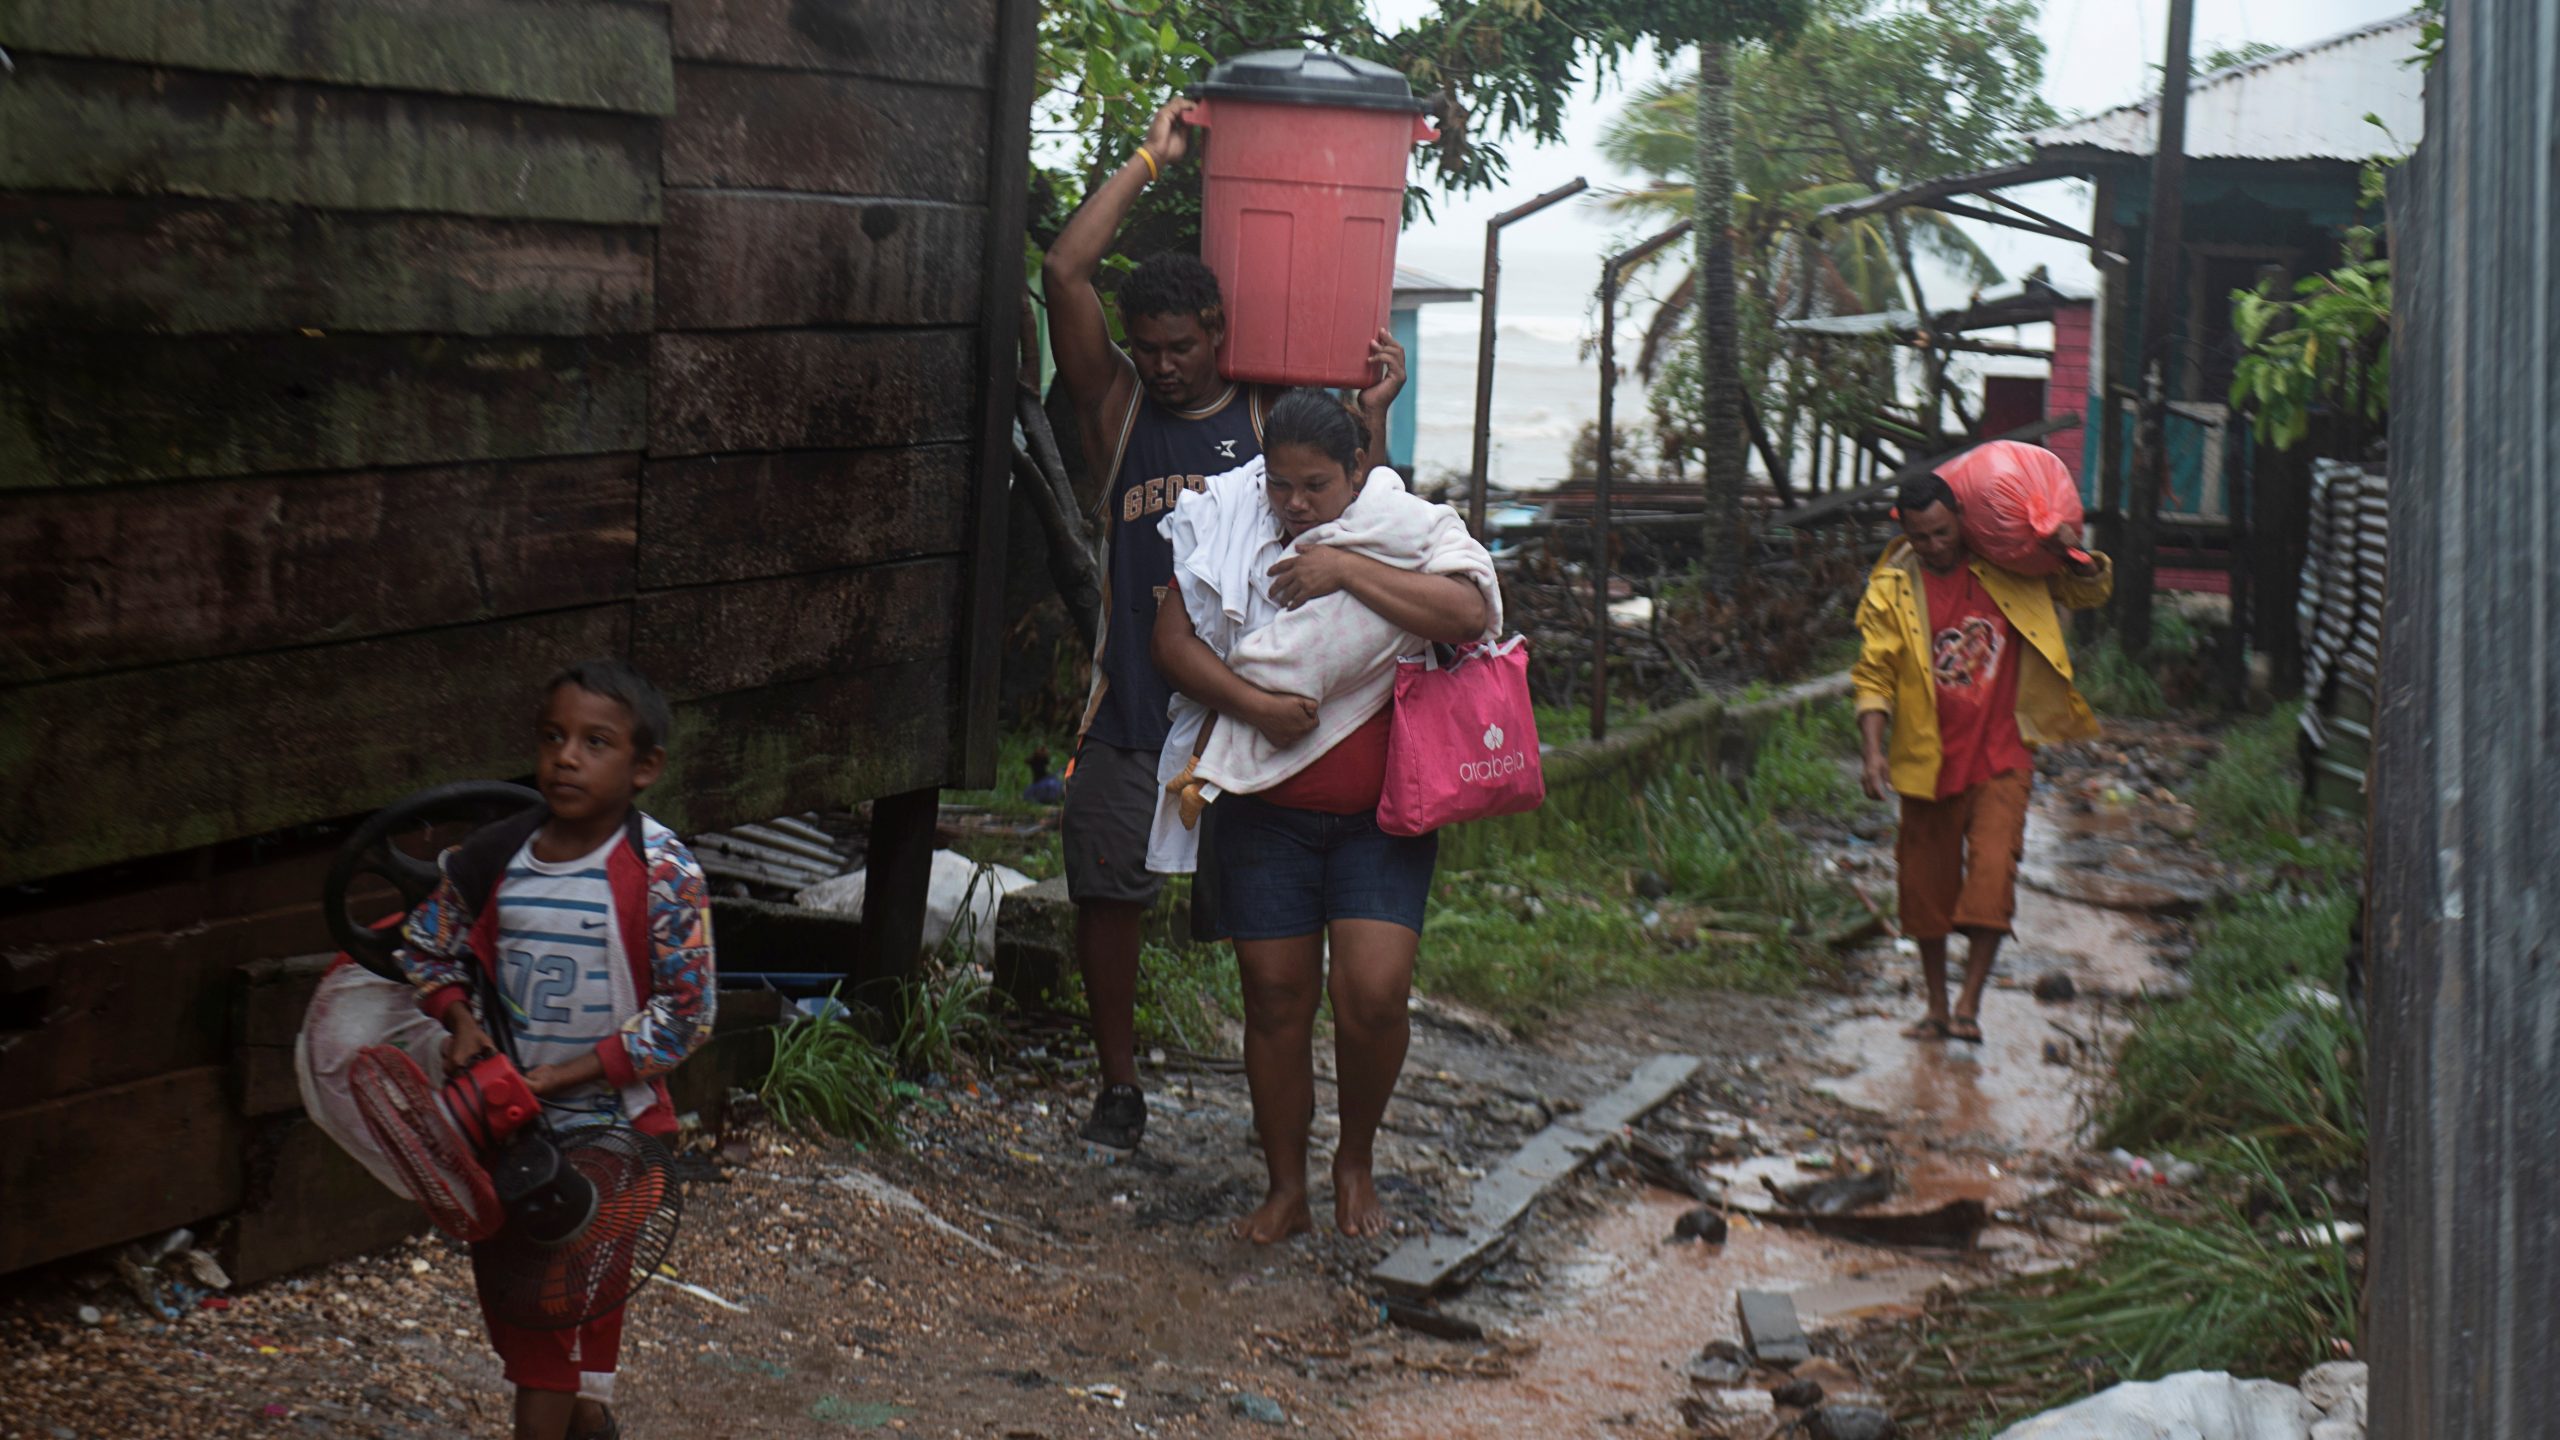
(1356,1211)
(1284,1214)
(1928,1028)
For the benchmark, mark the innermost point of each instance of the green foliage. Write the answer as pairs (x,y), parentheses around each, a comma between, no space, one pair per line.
(1539,931)
(1493,69)
(2251,799)
(2204,1288)
(2115,683)
(828,1075)
(2329,347)
(1864,98)
(2223,57)
(1187,995)
(1802,766)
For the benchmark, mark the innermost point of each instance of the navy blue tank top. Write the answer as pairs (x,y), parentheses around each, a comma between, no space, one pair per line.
(1162,452)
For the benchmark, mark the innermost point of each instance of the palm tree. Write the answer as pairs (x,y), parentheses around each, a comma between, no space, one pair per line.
(1853,268)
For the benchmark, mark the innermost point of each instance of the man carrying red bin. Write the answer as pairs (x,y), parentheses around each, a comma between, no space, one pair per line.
(1156,418)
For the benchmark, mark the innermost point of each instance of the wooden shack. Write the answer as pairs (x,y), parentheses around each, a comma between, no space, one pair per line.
(363,361)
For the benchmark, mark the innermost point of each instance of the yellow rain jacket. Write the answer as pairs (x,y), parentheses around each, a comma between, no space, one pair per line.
(1893,673)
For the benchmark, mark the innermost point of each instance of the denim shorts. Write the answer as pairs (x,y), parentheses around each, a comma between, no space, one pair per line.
(1282,873)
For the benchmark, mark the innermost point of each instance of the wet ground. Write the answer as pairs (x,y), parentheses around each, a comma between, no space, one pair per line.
(991,1282)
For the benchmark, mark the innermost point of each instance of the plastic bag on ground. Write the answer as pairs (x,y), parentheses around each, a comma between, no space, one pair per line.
(352,1009)
(2015,496)
(2199,1405)
(958,895)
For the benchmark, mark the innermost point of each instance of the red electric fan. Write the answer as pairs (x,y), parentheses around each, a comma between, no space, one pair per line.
(566,1221)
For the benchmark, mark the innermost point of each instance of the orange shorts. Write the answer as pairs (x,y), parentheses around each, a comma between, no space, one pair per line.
(1959,857)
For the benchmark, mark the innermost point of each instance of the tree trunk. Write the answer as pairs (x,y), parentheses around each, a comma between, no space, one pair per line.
(1719,323)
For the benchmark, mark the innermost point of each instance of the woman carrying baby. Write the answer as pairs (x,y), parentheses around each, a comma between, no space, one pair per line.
(1309,579)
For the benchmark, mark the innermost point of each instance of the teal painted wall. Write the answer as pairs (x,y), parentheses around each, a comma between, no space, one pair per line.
(1401,425)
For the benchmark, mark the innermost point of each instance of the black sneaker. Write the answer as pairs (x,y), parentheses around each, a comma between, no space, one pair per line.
(1119,1121)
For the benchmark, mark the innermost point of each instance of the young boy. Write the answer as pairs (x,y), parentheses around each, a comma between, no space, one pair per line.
(595,922)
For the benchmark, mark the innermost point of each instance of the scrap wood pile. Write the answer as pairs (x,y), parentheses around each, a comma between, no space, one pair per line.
(1671,637)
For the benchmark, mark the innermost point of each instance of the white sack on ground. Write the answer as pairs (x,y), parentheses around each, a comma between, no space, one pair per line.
(960,893)
(2199,1405)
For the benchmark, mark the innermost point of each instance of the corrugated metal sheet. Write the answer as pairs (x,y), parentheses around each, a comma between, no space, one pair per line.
(2304,104)
(2465,1094)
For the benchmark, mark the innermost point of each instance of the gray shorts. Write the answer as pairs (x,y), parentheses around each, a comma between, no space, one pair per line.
(1110,808)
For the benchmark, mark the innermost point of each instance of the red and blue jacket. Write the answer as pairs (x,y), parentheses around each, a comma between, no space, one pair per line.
(662,906)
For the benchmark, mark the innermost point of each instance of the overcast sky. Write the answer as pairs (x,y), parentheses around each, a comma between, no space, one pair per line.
(2098,55)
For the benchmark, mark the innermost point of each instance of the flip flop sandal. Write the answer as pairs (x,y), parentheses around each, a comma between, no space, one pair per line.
(612,1430)
(1926,1030)
(1966,1022)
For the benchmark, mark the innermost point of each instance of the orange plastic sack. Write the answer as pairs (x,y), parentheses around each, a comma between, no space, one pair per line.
(2015,496)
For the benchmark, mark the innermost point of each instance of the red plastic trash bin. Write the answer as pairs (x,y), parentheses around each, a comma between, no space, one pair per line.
(1301,199)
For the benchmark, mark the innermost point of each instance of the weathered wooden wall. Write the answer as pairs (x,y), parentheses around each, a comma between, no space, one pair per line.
(362,362)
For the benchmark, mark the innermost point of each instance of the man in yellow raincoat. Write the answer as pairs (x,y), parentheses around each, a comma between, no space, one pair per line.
(1963,669)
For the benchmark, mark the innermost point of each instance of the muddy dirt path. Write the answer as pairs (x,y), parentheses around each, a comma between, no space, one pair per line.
(990,1282)
(1994,1123)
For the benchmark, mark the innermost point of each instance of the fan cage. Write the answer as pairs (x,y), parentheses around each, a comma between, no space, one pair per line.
(639,1201)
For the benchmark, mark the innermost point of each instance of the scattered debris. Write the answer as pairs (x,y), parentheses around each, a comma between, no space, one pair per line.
(1721,1363)
(1429,1320)
(1769,1327)
(1798,1394)
(2056,987)
(1836,1196)
(1703,1223)
(1850,1422)
(1430,1263)
(698,1293)
(1955,1225)
(1260,1409)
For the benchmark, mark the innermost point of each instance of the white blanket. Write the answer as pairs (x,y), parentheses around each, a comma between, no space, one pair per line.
(1332,648)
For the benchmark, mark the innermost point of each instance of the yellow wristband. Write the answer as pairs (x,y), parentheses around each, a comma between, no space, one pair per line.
(1154,173)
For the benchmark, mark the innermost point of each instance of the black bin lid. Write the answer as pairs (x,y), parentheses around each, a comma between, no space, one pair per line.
(1309,77)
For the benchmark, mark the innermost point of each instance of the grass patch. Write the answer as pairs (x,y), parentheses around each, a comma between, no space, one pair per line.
(2116,684)
(829,1075)
(2258,1074)
(2206,1285)
(1541,931)
(1800,768)
(2251,800)
(1571,724)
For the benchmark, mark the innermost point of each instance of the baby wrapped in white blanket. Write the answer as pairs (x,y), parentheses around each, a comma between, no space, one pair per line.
(1333,649)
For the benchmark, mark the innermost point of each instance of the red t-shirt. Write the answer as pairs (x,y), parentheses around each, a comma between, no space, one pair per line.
(1973,655)
(1345,780)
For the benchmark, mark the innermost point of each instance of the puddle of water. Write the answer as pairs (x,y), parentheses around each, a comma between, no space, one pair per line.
(1970,1122)
(1999,1094)
(1611,1360)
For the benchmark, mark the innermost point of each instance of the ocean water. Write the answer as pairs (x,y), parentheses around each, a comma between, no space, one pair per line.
(1545,389)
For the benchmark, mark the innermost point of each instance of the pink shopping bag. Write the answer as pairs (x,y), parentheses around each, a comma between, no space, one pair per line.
(1464,742)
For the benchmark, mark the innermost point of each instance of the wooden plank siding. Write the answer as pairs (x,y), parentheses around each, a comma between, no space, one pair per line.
(941,42)
(737,517)
(733,261)
(184,755)
(738,128)
(364,361)
(169,265)
(359,368)
(94,580)
(112,1164)
(973,727)
(580,54)
(91,409)
(98,127)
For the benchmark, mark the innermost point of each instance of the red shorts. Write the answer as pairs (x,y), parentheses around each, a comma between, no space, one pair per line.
(1959,857)
(579,1361)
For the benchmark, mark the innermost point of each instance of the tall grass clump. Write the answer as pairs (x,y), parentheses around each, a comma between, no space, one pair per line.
(1801,767)
(2263,1288)
(828,1075)
(2117,684)
(2251,800)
